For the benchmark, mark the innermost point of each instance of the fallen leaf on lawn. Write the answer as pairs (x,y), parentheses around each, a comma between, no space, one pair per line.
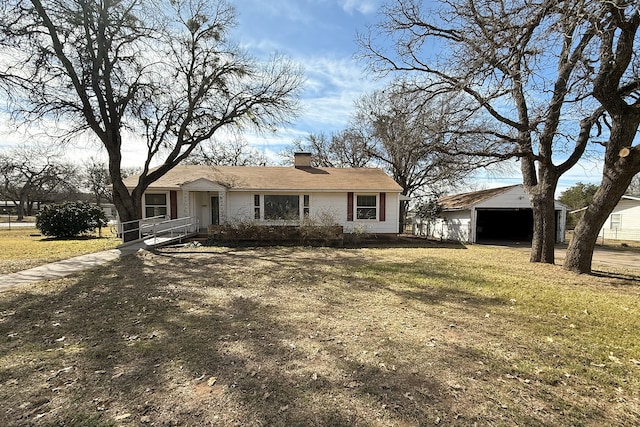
(122,417)
(614,359)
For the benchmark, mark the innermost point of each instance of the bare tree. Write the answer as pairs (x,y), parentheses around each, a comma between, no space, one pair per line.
(97,180)
(234,152)
(524,66)
(32,175)
(342,149)
(162,73)
(634,187)
(406,133)
(617,87)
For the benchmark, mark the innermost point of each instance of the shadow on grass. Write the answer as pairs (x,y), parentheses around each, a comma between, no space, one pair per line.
(246,337)
(73,238)
(632,279)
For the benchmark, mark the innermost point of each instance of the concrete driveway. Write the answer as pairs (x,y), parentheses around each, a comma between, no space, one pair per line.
(619,258)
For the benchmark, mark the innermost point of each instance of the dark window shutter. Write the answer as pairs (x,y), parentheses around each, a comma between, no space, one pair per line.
(349,206)
(173,201)
(383,207)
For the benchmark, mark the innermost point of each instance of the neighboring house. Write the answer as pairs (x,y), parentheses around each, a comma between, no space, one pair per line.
(359,199)
(502,214)
(624,221)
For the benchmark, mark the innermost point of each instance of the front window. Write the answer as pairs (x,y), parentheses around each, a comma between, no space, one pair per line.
(280,207)
(256,206)
(155,204)
(366,207)
(306,205)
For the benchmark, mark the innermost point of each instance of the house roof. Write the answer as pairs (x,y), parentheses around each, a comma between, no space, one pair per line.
(467,200)
(266,178)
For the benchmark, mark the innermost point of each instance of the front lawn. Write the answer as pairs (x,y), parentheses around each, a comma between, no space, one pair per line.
(321,336)
(22,248)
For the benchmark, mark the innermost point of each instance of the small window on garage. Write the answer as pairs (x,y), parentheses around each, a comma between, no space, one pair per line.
(155,204)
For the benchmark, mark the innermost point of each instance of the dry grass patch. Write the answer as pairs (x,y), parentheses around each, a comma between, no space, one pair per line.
(293,336)
(24,248)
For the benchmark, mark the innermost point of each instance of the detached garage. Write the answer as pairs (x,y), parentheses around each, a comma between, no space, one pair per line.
(497,214)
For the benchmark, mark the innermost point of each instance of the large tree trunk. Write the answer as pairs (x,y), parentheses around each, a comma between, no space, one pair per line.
(20,210)
(127,204)
(585,235)
(616,179)
(544,221)
(622,160)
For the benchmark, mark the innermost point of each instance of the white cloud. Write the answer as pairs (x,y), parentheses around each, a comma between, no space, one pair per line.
(363,6)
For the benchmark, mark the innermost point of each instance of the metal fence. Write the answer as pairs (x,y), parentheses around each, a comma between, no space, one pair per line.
(607,235)
(157,226)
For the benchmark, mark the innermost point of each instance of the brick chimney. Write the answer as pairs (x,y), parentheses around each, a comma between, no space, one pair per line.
(302,160)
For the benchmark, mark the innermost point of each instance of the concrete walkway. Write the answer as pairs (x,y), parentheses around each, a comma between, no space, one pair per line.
(60,269)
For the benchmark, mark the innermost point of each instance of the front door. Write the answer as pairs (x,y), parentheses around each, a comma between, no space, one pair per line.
(215,210)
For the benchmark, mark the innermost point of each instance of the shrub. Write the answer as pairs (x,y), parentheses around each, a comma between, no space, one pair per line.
(70,219)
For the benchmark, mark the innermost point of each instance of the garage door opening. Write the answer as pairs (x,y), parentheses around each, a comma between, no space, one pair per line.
(515,225)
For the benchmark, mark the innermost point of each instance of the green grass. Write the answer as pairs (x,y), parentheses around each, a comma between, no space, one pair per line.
(320,336)
(24,248)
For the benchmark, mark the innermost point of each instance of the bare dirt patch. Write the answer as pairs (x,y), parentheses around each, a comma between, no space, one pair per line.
(321,336)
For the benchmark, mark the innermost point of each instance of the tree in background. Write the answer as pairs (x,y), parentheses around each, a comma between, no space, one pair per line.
(406,134)
(522,70)
(634,187)
(161,74)
(577,197)
(34,174)
(428,210)
(96,179)
(235,152)
(343,149)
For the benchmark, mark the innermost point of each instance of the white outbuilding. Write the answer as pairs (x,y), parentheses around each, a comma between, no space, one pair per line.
(497,214)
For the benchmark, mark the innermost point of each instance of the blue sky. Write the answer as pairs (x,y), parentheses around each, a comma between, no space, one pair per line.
(320,35)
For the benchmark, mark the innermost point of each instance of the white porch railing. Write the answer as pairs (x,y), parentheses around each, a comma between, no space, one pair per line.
(157,229)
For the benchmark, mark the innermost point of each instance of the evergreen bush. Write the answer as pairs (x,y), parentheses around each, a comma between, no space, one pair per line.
(70,219)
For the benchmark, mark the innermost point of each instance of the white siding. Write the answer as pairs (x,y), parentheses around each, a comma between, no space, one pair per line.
(390,225)
(325,208)
(454,225)
(626,215)
(460,225)
(514,198)
(239,207)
